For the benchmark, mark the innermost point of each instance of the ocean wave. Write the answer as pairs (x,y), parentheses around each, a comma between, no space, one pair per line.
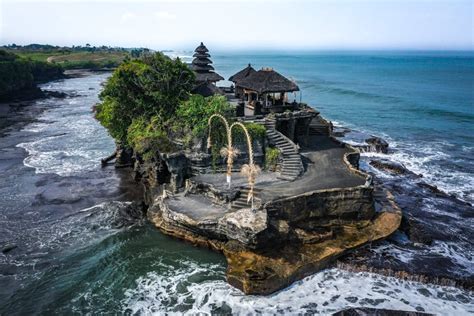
(177,292)
(433,160)
(84,226)
(66,139)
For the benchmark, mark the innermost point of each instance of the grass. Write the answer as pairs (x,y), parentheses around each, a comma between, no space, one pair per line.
(74,60)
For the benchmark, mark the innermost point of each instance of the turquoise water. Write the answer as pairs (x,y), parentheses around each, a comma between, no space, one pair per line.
(78,252)
(422,102)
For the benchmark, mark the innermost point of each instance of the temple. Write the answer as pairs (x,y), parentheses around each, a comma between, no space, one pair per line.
(279,219)
(206,78)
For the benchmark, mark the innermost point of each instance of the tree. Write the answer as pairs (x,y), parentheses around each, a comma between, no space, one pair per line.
(152,86)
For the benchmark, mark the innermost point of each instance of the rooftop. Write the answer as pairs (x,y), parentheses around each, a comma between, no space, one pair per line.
(267,80)
(242,74)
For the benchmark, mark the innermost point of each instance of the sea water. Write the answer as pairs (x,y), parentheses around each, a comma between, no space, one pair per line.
(76,254)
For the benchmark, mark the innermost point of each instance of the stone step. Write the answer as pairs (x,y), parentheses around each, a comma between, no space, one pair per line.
(291,164)
(291,168)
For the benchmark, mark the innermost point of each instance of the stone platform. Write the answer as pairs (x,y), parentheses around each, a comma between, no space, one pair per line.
(295,229)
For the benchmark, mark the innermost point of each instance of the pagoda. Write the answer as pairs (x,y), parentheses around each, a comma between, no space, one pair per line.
(201,65)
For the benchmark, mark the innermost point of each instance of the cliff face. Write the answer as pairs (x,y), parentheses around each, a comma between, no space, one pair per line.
(280,240)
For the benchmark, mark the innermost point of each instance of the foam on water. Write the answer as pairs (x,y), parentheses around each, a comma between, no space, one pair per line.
(180,291)
(425,158)
(69,140)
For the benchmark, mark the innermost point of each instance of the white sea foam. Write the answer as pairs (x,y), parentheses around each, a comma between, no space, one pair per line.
(79,228)
(175,292)
(67,140)
(425,158)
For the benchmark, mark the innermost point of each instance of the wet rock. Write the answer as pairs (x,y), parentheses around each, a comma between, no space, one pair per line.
(124,157)
(56,94)
(340,131)
(8,247)
(415,230)
(374,144)
(366,311)
(130,214)
(377,144)
(391,167)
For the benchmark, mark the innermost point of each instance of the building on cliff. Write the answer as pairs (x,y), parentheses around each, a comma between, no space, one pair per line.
(239,76)
(265,91)
(206,77)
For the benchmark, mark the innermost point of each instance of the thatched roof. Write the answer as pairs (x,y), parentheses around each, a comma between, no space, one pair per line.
(206,89)
(208,76)
(244,73)
(201,68)
(267,80)
(201,49)
(201,65)
(201,55)
(202,61)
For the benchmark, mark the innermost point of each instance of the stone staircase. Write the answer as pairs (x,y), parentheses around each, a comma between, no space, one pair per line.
(319,127)
(241,201)
(292,165)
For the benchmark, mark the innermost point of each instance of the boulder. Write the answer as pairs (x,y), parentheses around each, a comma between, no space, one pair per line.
(377,144)
(415,230)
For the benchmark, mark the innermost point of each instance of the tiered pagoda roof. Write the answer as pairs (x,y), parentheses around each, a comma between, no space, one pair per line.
(201,65)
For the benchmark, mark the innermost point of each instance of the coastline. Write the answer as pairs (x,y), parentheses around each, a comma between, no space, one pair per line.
(153,255)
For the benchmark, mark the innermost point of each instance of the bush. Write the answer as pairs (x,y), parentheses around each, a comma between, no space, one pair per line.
(18,73)
(148,137)
(149,89)
(271,158)
(195,112)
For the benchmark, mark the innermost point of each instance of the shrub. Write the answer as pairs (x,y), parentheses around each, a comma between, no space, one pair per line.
(152,86)
(148,137)
(195,112)
(271,158)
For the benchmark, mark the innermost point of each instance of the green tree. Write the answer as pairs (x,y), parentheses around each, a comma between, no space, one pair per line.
(151,86)
(195,112)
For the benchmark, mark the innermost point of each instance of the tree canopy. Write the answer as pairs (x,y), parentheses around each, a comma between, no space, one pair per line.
(149,87)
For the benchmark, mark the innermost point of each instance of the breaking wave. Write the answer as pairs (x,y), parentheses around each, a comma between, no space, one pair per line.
(183,290)
(66,139)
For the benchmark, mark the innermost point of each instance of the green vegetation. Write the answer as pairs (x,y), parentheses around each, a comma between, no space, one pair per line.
(17,73)
(271,158)
(195,112)
(140,101)
(147,137)
(146,104)
(256,131)
(76,57)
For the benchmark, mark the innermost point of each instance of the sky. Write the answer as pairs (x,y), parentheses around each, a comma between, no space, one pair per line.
(242,24)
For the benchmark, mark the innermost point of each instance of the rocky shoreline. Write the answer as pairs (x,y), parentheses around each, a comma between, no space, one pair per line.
(258,271)
(283,239)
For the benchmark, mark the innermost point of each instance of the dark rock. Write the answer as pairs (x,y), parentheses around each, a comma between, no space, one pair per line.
(392,167)
(56,94)
(129,215)
(124,157)
(415,230)
(377,144)
(8,247)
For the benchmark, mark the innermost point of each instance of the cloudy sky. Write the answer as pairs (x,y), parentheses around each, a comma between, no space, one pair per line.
(241,24)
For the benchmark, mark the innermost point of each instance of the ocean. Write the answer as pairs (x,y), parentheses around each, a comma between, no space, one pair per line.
(75,249)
